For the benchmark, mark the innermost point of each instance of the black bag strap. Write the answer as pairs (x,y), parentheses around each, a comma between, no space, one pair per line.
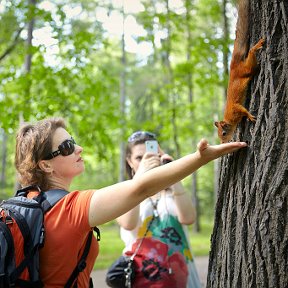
(29,250)
(82,262)
(10,245)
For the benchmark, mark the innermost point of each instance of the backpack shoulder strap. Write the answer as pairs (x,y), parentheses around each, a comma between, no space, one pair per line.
(51,197)
(47,199)
(81,263)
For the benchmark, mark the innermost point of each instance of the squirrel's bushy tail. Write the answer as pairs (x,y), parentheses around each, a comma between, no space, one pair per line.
(242,27)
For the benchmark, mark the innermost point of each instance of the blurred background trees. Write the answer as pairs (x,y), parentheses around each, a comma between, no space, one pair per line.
(113,67)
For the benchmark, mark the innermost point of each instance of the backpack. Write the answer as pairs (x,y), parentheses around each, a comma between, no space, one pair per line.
(22,234)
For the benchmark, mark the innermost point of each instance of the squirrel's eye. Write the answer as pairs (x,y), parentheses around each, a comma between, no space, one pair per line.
(224,133)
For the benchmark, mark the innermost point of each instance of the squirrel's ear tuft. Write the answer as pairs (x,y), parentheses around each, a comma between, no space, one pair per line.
(216,124)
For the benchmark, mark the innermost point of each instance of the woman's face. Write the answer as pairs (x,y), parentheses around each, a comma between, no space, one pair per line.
(66,167)
(137,153)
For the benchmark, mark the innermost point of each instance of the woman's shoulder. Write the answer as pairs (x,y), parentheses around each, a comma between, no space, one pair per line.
(75,205)
(76,195)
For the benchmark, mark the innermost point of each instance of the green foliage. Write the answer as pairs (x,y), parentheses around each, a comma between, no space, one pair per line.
(7,186)
(77,76)
(111,245)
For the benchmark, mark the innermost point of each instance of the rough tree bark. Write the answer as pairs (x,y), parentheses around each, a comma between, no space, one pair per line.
(249,245)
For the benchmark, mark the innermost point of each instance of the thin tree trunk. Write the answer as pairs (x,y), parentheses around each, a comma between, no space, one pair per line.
(4,161)
(28,58)
(170,91)
(27,67)
(188,6)
(123,101)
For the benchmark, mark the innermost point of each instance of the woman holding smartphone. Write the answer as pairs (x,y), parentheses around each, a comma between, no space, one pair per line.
(164,258)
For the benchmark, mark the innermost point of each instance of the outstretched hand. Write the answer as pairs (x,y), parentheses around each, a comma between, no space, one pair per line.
(211,152)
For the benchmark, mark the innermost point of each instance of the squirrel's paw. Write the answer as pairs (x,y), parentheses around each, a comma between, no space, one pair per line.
(260,43)
(252,118)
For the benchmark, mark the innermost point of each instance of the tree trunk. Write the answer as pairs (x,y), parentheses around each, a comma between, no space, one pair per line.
(3,161)
(123,102)
(171,94)
(250,237)
(28,57)
(27,69)
(195,199)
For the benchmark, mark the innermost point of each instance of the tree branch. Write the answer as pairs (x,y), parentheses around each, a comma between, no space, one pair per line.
(12,46)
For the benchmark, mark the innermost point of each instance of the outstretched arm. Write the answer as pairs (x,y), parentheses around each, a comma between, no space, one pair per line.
(110,202)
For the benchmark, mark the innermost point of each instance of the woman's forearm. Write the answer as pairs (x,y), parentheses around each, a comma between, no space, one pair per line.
(110,202)
(162,177)
(184,207)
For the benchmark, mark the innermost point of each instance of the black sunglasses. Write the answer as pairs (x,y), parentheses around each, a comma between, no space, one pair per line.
(66,148)
(141,135)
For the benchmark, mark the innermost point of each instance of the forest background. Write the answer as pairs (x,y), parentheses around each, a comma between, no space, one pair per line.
(113,67)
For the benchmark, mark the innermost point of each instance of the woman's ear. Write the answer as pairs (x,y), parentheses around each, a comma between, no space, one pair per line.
(45,166)
(129,162)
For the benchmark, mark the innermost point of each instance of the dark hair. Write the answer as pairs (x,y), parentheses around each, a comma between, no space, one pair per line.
(33,143)
(138,137)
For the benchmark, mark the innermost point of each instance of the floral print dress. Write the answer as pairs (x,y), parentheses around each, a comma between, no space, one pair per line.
(164,258)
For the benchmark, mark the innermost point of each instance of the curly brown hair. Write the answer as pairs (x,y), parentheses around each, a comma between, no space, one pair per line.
(33,143)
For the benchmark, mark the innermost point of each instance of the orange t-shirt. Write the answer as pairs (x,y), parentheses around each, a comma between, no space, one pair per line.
(66,232)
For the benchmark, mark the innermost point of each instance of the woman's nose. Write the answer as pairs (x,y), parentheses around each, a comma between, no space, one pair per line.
(78,148)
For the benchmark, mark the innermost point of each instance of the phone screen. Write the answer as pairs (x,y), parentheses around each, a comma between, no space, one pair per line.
(151,146)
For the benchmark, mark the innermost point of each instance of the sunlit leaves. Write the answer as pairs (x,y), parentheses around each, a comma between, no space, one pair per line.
(76,67)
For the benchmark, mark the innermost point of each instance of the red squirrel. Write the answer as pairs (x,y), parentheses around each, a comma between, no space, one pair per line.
(242,69)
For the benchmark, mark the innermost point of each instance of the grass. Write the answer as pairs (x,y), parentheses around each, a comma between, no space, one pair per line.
(111,245)
(200,242)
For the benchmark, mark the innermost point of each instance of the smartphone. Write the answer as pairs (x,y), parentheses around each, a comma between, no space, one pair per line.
(151,146)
